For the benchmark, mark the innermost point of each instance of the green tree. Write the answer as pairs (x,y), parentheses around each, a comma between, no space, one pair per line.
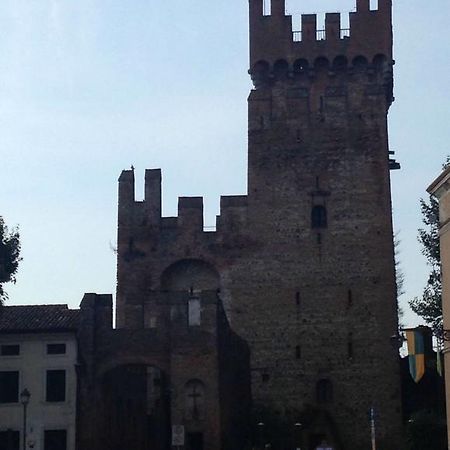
(9,257)
(429,306)
(399,279)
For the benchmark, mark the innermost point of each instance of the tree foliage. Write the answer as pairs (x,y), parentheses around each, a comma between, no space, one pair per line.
(399,279)
(9,256)
(429,306)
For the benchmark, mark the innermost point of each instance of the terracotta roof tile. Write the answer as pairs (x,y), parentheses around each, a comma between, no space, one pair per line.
(36,318)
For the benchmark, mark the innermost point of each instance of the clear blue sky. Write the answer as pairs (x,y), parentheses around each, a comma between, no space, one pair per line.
(89,87)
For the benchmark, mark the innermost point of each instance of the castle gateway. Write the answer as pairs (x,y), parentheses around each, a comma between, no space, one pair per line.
(303,264)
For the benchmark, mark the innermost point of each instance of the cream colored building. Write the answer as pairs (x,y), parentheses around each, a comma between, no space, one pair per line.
(38,352)
(440,188)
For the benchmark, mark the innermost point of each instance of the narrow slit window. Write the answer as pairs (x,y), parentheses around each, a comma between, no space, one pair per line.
(350,298)
(319,217)
(350,350)
(298,352)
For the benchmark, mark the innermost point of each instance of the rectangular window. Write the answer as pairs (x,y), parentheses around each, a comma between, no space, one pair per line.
(56,386)
(9,387)
(56,349)
(9,440)
(55,440)
(10,350)
(194,312)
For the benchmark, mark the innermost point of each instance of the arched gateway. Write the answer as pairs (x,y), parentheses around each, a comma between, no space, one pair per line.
(172,380)
(136,402)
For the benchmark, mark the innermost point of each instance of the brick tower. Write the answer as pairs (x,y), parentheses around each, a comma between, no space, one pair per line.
(304,263)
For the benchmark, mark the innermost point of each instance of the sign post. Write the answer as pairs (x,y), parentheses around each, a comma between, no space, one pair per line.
(177,436)
(372,428)
(324,446)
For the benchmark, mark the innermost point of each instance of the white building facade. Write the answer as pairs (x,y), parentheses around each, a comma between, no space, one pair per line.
(38,356)
(440,188)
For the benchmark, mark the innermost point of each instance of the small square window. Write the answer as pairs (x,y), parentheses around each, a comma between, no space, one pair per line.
(10,350)
(56,349)
(55,440)
(9,387)
(9,440)
(56,386)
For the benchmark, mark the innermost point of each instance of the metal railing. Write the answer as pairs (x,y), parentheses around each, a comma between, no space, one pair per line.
(297,36)
(321,35)
(345,33)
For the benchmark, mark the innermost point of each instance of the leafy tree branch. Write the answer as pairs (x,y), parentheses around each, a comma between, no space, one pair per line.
(9,257)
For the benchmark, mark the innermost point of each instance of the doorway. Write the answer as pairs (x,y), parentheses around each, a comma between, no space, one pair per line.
(194,441)
(136,409)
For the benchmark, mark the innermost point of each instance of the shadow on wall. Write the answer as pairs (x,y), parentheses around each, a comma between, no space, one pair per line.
(191,275)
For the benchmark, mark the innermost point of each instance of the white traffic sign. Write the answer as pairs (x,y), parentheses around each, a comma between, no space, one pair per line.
(177,435)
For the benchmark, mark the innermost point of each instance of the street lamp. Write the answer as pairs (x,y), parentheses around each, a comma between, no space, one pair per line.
(298,435)
(25,399)
(261,434)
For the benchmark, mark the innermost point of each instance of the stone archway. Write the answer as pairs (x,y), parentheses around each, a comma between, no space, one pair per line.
(136,401)
(190,275)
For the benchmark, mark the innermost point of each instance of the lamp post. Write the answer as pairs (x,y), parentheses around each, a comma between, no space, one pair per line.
(298,435)
(261,434)
(25,399)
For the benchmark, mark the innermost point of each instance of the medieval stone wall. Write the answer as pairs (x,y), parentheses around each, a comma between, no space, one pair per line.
(136,383)
(304,263)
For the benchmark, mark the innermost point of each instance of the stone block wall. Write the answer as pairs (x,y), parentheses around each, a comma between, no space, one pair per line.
(304,263)
(136,383)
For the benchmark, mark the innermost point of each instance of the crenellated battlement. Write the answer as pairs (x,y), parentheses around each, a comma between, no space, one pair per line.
(190,218)
(275,44)
(304,261)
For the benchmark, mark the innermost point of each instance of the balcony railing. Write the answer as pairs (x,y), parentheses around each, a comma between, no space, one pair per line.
(297,36)
(345,33)
(321,35)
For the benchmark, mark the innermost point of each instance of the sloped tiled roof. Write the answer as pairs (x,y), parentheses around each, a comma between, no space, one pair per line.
(38,318)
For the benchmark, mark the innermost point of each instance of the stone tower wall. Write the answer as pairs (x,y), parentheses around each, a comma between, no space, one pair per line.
(314,297)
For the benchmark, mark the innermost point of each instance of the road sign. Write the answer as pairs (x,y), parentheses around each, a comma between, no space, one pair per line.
(177,435)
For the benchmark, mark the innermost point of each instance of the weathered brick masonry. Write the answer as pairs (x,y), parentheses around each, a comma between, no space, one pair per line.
(135,383)
(304,263)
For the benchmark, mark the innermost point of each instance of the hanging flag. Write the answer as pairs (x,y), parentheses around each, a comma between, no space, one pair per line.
(438,360)
(416,354)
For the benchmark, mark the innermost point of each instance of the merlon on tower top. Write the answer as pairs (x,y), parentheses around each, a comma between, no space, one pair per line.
(273,41)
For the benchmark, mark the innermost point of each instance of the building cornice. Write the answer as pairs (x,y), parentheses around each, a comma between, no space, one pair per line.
(441,184)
